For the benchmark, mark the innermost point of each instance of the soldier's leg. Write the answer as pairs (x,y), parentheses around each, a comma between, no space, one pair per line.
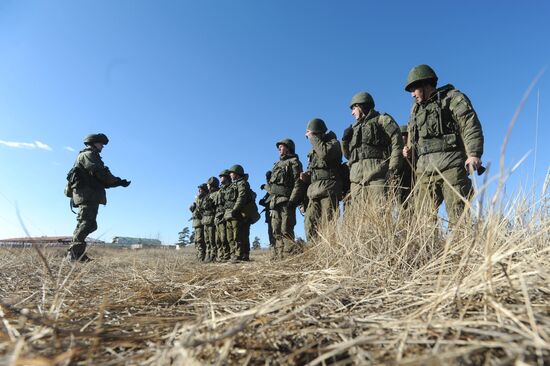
(312,218)
(288,221)
(461,183)
(233,238)
(86,224)
(358,192)
(199,242)
(245,251)
(276,224)
(220,237)
(376,191)
(427,199)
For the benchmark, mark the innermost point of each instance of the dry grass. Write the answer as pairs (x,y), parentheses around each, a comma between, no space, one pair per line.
(379,287)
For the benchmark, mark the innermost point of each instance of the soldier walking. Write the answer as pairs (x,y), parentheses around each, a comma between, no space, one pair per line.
(285,196)
(86,186)
(322,175)
(373,146)
(446,136)
(198,228)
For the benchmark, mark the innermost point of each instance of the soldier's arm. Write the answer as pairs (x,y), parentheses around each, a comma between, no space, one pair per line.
(346,140)
(326,150)
(469,125)
(93,164)
(296,194)
(241,196)
(396,141)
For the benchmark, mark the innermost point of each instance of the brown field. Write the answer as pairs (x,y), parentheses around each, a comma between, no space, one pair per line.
(377,288)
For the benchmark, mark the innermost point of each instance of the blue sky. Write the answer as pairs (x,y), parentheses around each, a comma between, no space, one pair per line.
(185,89)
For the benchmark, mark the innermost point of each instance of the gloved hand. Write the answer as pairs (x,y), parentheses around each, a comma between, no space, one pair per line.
(348,134)
(124,183)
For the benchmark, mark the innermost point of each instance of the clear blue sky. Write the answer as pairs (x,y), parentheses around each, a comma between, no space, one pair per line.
(185,89)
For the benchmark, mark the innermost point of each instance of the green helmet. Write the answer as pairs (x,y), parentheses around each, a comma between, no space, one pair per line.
(362,98)
(96,137)
(224,172)
(203,187)
(404,129)
(238,169)
(420,73)
(213,181)
(288,143)
(317,125)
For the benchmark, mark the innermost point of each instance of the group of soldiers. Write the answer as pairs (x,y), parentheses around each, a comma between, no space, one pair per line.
(437,150)
(440,146)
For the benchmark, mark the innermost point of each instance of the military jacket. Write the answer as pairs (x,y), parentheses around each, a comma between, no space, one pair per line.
(376,146)
(444,131)
(208,208)
(219,201)
(324,164)
(196,210)
(94,178)
(284,184)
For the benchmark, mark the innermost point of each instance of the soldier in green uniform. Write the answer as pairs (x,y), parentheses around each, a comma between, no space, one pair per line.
(373,146)
(238,228)
(224,252)
(208,210)
(323,176)
(285,191)
(198,229)
(86,186)
(406,177)
(446,136)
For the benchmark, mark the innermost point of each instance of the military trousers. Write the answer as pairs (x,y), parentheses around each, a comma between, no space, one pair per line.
(86,224)
(211,249)
(373,190)
(433,190)
(283,220)
(317,211)
(222,245)
(200,245)
(238,232)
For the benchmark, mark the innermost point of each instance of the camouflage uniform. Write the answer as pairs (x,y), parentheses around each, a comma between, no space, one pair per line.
(325,188)
(284,188)
(406,176)
(238,229)
(89,179)
(264,201)
(373,146)
(224,252)
(198,228)
(208,210)
(444,131)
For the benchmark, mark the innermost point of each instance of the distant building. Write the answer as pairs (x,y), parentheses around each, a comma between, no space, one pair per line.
(50,241)
(129,241)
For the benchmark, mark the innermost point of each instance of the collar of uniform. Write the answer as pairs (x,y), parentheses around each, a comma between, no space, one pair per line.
(441,91)
(372,114)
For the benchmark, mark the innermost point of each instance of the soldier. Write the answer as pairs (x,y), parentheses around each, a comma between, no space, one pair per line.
(285,196)
(323,176)
(446,136)
(224,252)
(238,229)
(373,146)
(198,229)
(86,186)
(406,181)
(265,203)
(208,210)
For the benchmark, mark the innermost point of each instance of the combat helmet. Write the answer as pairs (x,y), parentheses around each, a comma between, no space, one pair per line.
(203,186)
(317,125)
(288,143)
(213,181)
(362,98)
(96,137)
(237,169)
(420,73)
(223,173)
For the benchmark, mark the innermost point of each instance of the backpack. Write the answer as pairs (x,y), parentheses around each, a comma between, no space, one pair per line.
(250,211)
